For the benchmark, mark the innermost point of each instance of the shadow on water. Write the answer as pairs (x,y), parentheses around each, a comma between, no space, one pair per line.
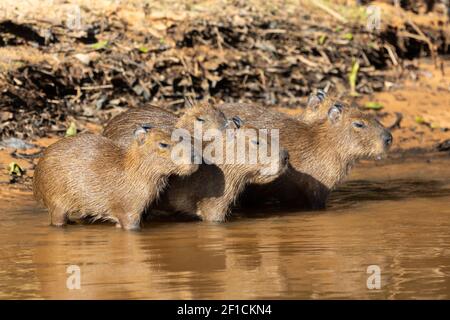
(400,223)
(353,192)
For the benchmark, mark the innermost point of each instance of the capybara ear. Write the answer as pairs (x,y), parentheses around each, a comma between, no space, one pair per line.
(316,98)
(141,132)
(237,121)
(335,113)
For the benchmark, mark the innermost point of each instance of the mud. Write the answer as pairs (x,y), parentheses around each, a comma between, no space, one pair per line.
(391,215)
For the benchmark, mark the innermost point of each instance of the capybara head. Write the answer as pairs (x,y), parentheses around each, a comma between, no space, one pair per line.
(357,134)
(157,144)
(202,114)
(319,102)
(259,153)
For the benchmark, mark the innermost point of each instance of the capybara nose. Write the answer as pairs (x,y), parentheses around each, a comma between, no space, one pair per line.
(387,138)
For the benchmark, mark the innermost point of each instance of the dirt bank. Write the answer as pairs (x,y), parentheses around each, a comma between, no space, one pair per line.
(83,63)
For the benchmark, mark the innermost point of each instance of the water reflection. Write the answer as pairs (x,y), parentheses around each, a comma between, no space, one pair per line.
(284,255)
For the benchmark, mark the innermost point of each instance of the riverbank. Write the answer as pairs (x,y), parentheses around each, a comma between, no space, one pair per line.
(416,109)
(83,63)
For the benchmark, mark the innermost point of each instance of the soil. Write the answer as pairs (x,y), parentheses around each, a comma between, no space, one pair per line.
(54,72)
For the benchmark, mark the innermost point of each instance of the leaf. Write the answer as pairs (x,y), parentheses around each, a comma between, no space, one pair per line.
(15,169)
(144,49)
(373,105)
(100,45)
(322,39)
(347,36)
(353,76)
(72,130)
(419,120)
(434,125)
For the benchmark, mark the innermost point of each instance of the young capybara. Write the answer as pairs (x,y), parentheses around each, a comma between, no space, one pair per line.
(89,176)
(322,150)
(120,128)
(212,190)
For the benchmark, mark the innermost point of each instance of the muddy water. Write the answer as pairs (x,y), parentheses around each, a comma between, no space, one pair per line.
(395,216)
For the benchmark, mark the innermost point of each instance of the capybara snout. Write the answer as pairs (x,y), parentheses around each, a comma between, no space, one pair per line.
(371,139)
(357,134)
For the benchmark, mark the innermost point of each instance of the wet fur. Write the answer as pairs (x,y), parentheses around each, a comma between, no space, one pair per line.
(321,153)
(120,128)
(88,176)
(211,191)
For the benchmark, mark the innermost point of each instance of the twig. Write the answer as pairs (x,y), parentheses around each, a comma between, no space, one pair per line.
(328,10)
(307,62)
(106,86)
(391,53)
(425,39)
(219,39)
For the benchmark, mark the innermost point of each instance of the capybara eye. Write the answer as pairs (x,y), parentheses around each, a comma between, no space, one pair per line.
(339,106)
(358,124)
(163,145)
(200,119)
(237,121)
(146,126)
(321,95)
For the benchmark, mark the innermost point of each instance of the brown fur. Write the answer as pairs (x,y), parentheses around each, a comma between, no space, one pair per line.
(321,151)
(121,127)
(88,176)
(318,106)
(210,192)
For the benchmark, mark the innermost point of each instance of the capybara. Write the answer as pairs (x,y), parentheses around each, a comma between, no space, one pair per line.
(121,127)
(89,176)
(210,193)
(212,190)
(321,151)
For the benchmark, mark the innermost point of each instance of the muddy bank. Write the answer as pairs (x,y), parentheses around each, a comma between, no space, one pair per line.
(416,110)
(88,62)
(83,63)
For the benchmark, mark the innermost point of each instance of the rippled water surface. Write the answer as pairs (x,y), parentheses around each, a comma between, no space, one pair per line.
(395,216)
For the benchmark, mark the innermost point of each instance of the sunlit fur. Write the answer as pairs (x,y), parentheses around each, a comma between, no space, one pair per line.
(120,128)
(321,151)
(319,111)
(210,192)
(327,150)
(202,113)
(88,176)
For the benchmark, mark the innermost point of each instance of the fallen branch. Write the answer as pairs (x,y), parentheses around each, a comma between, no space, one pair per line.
(328,10)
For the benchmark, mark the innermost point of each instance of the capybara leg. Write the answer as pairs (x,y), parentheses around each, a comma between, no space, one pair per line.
(213,214)
(58,217)
(130,221)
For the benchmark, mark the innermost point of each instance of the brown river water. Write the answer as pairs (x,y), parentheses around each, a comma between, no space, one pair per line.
(395,216)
